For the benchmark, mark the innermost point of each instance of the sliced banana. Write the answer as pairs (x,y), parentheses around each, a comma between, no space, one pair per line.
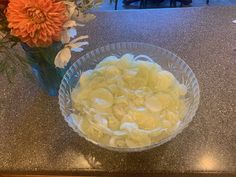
(164,99)
(153,103)
(85,77)
(128,103)
(102,98)
(96,82)
(113,123)
(111,72)
(117,142)
(125,61)
(129,126)
(105,139)
(164,80)
(108,61)
(79,95)
(128,56)
(101,120)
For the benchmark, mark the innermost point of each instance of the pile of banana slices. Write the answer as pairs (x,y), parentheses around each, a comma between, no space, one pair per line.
(128,103)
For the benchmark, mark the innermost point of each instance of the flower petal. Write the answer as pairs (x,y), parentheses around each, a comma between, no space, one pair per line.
(76,45)
(79,38)
(69,3)
(69,24)
(71,8)
(77,49)
(62,57)
(72,32)
(65,37)
(75,14)
(85,17)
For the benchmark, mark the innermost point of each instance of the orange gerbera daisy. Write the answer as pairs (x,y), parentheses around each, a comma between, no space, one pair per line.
(36,22)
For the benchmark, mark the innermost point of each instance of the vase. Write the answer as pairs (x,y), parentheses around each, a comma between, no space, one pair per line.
(41,60)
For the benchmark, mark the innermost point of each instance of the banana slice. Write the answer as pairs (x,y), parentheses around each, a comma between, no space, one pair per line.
(119,110)
(161,136)
(79,95)
(155,67)
(166,124)
(173,117)
(164,80)
(101,120)
(153,104)
(115,89)
(120,107)
(178,90)
(144,64)
(156,132)
(128,118)
(164,99)
(128,103)
(145,120)
(174,92)
(96,82)
(102,98)
(117,142)
(112,71)
(85,77)
(105,139)
(91,131)
(128,56)
(129,126)
(108,61)
(125,62)
(158,102)
(113,123)
(129,75)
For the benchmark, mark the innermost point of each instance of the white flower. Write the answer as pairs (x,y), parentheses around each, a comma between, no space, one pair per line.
(71,8)
(79,38)
(69,24)
(69,31)
(65,37)
(76,47)
(67,34)
(64,55)
(85,17)
(72,32)
(74,14)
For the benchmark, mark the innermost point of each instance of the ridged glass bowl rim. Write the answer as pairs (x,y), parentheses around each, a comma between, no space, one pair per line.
(71,71)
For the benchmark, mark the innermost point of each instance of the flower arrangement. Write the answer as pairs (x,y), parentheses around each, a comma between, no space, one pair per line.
(39,24)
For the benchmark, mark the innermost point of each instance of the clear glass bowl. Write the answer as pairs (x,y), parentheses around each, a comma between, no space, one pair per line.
(165,58)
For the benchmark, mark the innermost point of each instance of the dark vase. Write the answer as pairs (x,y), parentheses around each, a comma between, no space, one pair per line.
(41,61)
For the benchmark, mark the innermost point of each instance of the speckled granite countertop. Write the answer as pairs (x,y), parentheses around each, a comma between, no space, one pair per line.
(34,138)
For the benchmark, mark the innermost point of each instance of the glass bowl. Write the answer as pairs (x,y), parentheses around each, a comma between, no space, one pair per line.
(163,57)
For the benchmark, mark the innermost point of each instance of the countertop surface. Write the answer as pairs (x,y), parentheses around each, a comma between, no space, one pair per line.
(34,138)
